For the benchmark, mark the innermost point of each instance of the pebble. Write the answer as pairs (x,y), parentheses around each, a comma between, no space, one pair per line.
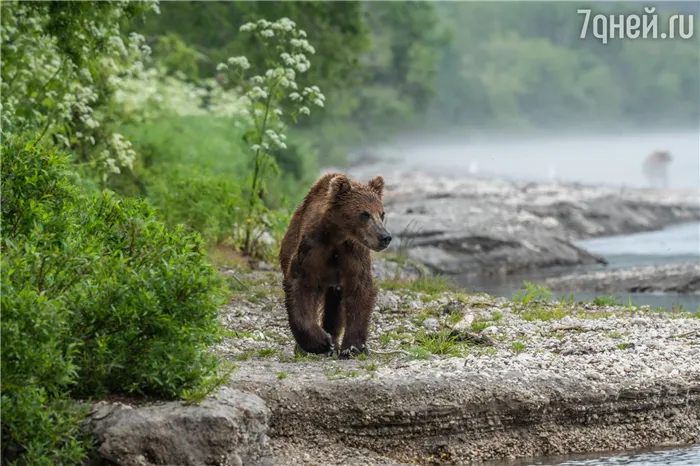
(466,323)
(567,320)
(431,324)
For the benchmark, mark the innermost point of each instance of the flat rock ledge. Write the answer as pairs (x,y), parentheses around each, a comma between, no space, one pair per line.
(448,414)
(229,428)
(469,225)
(675,278)
(453,379)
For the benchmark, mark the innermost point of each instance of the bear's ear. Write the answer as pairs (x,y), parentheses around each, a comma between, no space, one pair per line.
(376,184)
(339,186)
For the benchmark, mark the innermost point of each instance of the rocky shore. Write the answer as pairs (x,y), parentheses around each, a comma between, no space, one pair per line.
(469,225)
(674,278)
(450,379)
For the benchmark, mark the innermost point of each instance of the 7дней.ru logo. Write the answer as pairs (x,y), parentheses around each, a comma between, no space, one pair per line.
(619,26)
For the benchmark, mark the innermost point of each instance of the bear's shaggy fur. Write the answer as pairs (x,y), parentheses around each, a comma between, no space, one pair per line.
(326,263)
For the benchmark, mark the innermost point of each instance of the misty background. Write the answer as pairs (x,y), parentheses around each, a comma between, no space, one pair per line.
(508,88)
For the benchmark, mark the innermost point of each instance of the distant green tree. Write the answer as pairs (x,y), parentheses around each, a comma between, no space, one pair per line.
(525,64)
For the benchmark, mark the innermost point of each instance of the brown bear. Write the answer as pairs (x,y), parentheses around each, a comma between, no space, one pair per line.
(325,260)
(655,168)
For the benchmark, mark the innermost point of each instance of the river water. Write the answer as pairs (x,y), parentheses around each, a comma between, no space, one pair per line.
(674,244)
(687,456)
(613,160)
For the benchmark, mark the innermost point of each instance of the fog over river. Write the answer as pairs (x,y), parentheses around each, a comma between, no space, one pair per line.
(604,159)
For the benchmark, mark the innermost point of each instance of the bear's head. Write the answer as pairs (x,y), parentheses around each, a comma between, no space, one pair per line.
(358,210)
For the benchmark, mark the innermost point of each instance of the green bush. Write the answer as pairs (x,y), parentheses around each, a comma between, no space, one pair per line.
(149,309)
(211,204)
(98,297)
(197,198)
(193,169)
(190,168)
(38,367)
(207,141)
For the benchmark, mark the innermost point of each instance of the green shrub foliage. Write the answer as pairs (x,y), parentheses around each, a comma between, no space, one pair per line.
(98,297)
(200,200)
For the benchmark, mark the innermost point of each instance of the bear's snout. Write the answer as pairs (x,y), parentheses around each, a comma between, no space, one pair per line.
(384,239)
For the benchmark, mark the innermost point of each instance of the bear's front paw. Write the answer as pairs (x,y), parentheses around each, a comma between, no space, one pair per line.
(353,351)
(333,351)
(319,342)
(300,351)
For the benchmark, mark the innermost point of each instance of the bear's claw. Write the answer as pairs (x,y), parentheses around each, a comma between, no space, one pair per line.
(353,351)
(333,350)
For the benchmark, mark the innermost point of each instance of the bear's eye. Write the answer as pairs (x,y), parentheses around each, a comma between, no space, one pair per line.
(364,215)
(382,216)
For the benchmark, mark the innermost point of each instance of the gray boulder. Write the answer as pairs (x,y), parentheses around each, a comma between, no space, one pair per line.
(230,428)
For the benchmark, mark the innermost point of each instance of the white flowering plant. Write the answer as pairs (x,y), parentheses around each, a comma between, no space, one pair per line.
(285,50)
(60,64)
(156,93)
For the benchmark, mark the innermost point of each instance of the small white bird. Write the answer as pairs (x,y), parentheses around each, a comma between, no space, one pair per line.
(473,167)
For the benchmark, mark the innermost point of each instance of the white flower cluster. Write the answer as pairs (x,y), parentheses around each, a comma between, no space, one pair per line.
(117,146)
(264,94)
(31,66)
(154,93)
(46,90)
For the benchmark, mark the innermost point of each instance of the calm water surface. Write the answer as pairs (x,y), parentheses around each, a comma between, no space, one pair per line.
(614,160)
(688,456)
(675,244)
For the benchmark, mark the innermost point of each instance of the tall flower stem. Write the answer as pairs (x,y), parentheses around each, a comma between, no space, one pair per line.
(256,172)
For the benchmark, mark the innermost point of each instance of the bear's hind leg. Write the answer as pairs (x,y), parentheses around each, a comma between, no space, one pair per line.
(302,312)
(333,318)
